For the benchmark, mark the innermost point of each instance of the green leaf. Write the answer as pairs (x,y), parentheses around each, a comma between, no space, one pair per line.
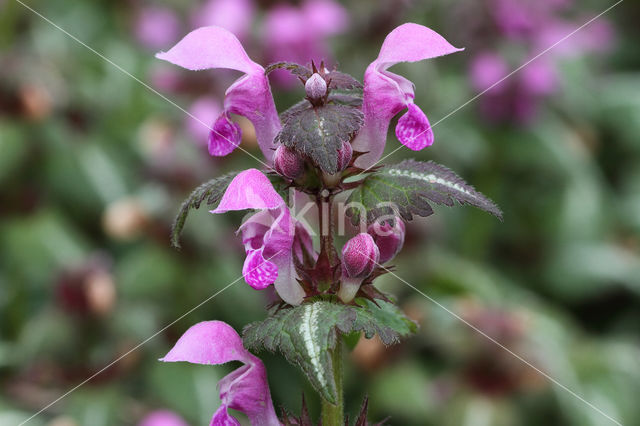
(318,132)
(342,81)
(407,188)
(307,334)
(211,191)
(345,99)
(295,69)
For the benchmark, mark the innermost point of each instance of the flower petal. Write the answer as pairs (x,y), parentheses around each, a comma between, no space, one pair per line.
(222,418)
(250,95)
(413,129)
(224,137)
(210,47)
(385,93)
(211,343)
(272,232)
(411,43)
(250,189)
(257,271)
(245,389)
(303,244)
(286,284)
(279,247)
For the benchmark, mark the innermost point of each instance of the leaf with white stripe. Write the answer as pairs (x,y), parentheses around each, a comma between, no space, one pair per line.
(408,188)
(307,334)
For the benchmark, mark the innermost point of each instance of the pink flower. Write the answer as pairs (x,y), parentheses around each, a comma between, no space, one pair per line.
(249,96)
(298,34)
(516,98)
(344,156)
(389,239)
(157,27)
(360,256)
(288,163)
(233,15)
(162,418)
(598,37)
(245,389)
(386,94)
(268,236)
(205,109)
(523,18)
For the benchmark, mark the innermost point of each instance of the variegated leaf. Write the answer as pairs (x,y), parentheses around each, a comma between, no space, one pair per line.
(408,188)
(307,334)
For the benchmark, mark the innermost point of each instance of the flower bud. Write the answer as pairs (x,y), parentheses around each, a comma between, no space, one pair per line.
(360,255)
(315,86)
(344,156)
(389,239)
(288,163)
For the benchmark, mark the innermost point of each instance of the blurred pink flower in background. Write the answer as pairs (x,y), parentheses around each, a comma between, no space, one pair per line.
(162,418)
(157,27)
(532,26)
(165,78)
(597,37)
(521,18)
(206,109)
(517,97)
(299,34)
(233,15)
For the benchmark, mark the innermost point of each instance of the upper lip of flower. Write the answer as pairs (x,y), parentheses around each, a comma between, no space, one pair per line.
(245,389)
(250,95)
(406,43)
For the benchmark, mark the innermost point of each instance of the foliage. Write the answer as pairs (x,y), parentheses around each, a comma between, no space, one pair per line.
(306,334)
(407,188)
(319,132)
(211,191)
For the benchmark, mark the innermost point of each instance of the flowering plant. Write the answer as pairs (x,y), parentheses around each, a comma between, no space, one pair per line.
(322,148)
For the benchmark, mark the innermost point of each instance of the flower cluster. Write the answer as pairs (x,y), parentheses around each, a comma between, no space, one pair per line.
(270,235)
(317,149)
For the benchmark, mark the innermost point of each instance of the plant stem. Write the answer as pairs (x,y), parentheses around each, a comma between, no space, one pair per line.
(326,225)
(333,415)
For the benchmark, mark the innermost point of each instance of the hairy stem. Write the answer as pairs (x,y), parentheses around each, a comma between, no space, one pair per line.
(333,415)
(326,225)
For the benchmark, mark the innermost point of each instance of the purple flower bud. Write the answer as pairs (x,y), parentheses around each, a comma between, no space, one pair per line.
(344,156)
(288,163)
(360,255)
(389,239)
(315,86)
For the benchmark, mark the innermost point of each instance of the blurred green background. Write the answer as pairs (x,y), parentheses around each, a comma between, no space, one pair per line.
(93,166)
